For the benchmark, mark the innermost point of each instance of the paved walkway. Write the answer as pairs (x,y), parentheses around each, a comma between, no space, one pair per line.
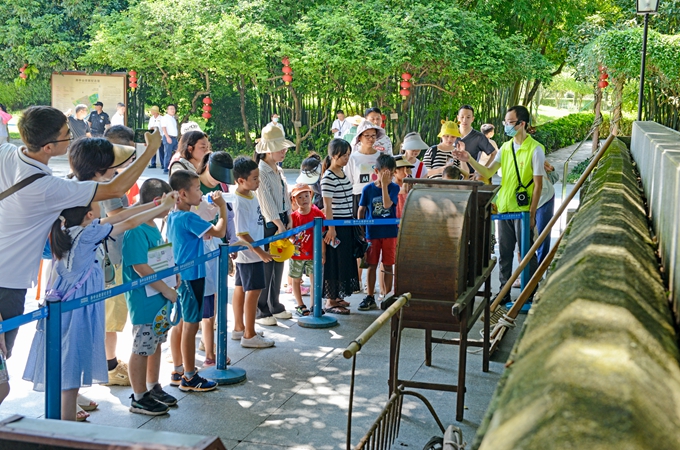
(296,394)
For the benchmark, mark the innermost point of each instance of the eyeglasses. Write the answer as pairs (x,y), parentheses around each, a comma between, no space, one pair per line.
(70,138)
(370,136)
(512,123)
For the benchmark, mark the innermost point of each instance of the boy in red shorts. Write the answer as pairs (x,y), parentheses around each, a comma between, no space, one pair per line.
(379,201)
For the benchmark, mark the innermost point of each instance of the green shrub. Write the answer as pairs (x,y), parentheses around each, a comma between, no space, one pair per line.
(574,128)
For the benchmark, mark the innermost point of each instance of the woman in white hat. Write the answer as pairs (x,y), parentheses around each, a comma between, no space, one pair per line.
(411,147)
(276,209)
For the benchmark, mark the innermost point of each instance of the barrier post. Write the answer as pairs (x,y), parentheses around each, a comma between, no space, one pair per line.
(318,320)
(526,245)
(219,373)
(53,360)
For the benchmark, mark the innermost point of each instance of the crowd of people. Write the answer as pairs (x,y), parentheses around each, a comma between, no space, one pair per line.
(360,177)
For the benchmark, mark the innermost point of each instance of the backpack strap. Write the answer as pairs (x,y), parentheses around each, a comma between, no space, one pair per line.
(21,184)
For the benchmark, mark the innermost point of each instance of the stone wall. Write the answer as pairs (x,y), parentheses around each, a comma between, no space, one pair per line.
(596,364)
(656,150)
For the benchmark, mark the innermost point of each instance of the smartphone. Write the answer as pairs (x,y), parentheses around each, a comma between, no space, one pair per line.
(335,243)
(139,135)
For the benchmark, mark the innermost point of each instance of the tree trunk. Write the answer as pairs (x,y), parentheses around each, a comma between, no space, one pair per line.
(241,86)
(598,114)
(531,92)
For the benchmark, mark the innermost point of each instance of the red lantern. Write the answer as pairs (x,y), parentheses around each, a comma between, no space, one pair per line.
(133,86)
(132,73)
(22,75)
(285,61)
(22,69)
(405,93)
(207,108)
(406,76)
(207,100)
(405,84)
(287,70)
(287,78)
(206,115)
(602,84)
(604,76)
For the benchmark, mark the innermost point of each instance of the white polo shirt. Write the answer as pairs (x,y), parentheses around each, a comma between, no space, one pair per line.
(170,124)
(26,216)
(155,122)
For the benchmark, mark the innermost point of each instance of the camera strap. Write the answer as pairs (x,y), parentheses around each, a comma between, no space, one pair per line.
(519,178)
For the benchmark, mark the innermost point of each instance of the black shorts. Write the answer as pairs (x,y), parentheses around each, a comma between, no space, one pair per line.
(11,305)
(250,276)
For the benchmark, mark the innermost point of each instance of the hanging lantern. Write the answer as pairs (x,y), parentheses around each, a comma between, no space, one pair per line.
(603,84)
(406,76)
(405,84)
(132,80)
(207,101)
(207,108)
(287,70)
(206,115)
(285,61)
(604,76)
(405,93)
(132,74)
(22,75)
(287,79)
(22,69)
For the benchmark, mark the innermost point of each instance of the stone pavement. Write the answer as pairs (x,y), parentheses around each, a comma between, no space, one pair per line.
(296,395)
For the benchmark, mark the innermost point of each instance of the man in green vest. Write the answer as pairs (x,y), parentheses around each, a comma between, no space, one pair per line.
(521,160)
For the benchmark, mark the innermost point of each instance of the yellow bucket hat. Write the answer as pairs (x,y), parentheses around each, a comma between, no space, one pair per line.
(450,128)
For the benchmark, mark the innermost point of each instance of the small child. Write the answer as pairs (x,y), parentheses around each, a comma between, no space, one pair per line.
(379,201)
(144,367)
(403,171)
(451,173)
(249,278)
(75,240)
(186,232)
(302,263)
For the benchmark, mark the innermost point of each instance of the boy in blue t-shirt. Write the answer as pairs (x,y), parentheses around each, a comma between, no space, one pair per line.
(186,231)
(148,396)
(379,201)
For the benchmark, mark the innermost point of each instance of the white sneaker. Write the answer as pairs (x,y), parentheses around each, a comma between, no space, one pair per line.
(267,321)
(237,335)
(256,341)
(283,315)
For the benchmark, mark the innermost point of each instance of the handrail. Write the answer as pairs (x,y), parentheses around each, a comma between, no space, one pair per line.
(373,328)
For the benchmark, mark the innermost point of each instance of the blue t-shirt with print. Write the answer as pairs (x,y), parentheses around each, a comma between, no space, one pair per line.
(136,245)
(371,198)
(185,233)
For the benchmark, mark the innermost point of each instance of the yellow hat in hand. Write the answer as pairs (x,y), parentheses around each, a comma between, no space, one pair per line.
(281,250)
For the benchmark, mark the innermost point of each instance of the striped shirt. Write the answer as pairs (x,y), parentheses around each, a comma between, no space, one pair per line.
(440,159)
(340,190)
(273,192)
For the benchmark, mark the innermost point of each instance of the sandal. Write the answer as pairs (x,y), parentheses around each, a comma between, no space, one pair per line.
(337,310)
(86,404)
(81,414)
(302,311)
(342,303)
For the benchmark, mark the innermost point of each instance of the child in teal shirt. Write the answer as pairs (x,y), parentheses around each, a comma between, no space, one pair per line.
(148,396)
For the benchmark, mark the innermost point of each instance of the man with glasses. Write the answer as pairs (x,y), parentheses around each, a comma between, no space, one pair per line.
(522,161)
(35,201)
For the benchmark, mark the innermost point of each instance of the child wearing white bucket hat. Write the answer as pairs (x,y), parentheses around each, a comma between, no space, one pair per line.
(411,147)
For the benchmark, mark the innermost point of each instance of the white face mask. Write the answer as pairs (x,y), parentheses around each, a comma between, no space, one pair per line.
(275,120)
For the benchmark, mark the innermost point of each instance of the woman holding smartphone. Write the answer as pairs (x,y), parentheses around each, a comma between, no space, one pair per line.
(275,207)
(439,156)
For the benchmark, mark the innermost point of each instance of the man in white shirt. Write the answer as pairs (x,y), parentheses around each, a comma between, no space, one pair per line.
(340,125)
(119,117)
(169,129)
(27,215)
(275,122)
(155,124)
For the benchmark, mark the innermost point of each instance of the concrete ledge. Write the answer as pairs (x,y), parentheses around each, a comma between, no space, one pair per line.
(656,149)
(596,365)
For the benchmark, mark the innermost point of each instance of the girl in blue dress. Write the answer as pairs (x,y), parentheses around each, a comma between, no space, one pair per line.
(75,240)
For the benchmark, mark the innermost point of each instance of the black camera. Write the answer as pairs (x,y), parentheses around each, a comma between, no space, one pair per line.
(522,198)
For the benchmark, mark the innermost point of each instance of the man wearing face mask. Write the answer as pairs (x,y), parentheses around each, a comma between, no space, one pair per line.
(522,161)
(275,123)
